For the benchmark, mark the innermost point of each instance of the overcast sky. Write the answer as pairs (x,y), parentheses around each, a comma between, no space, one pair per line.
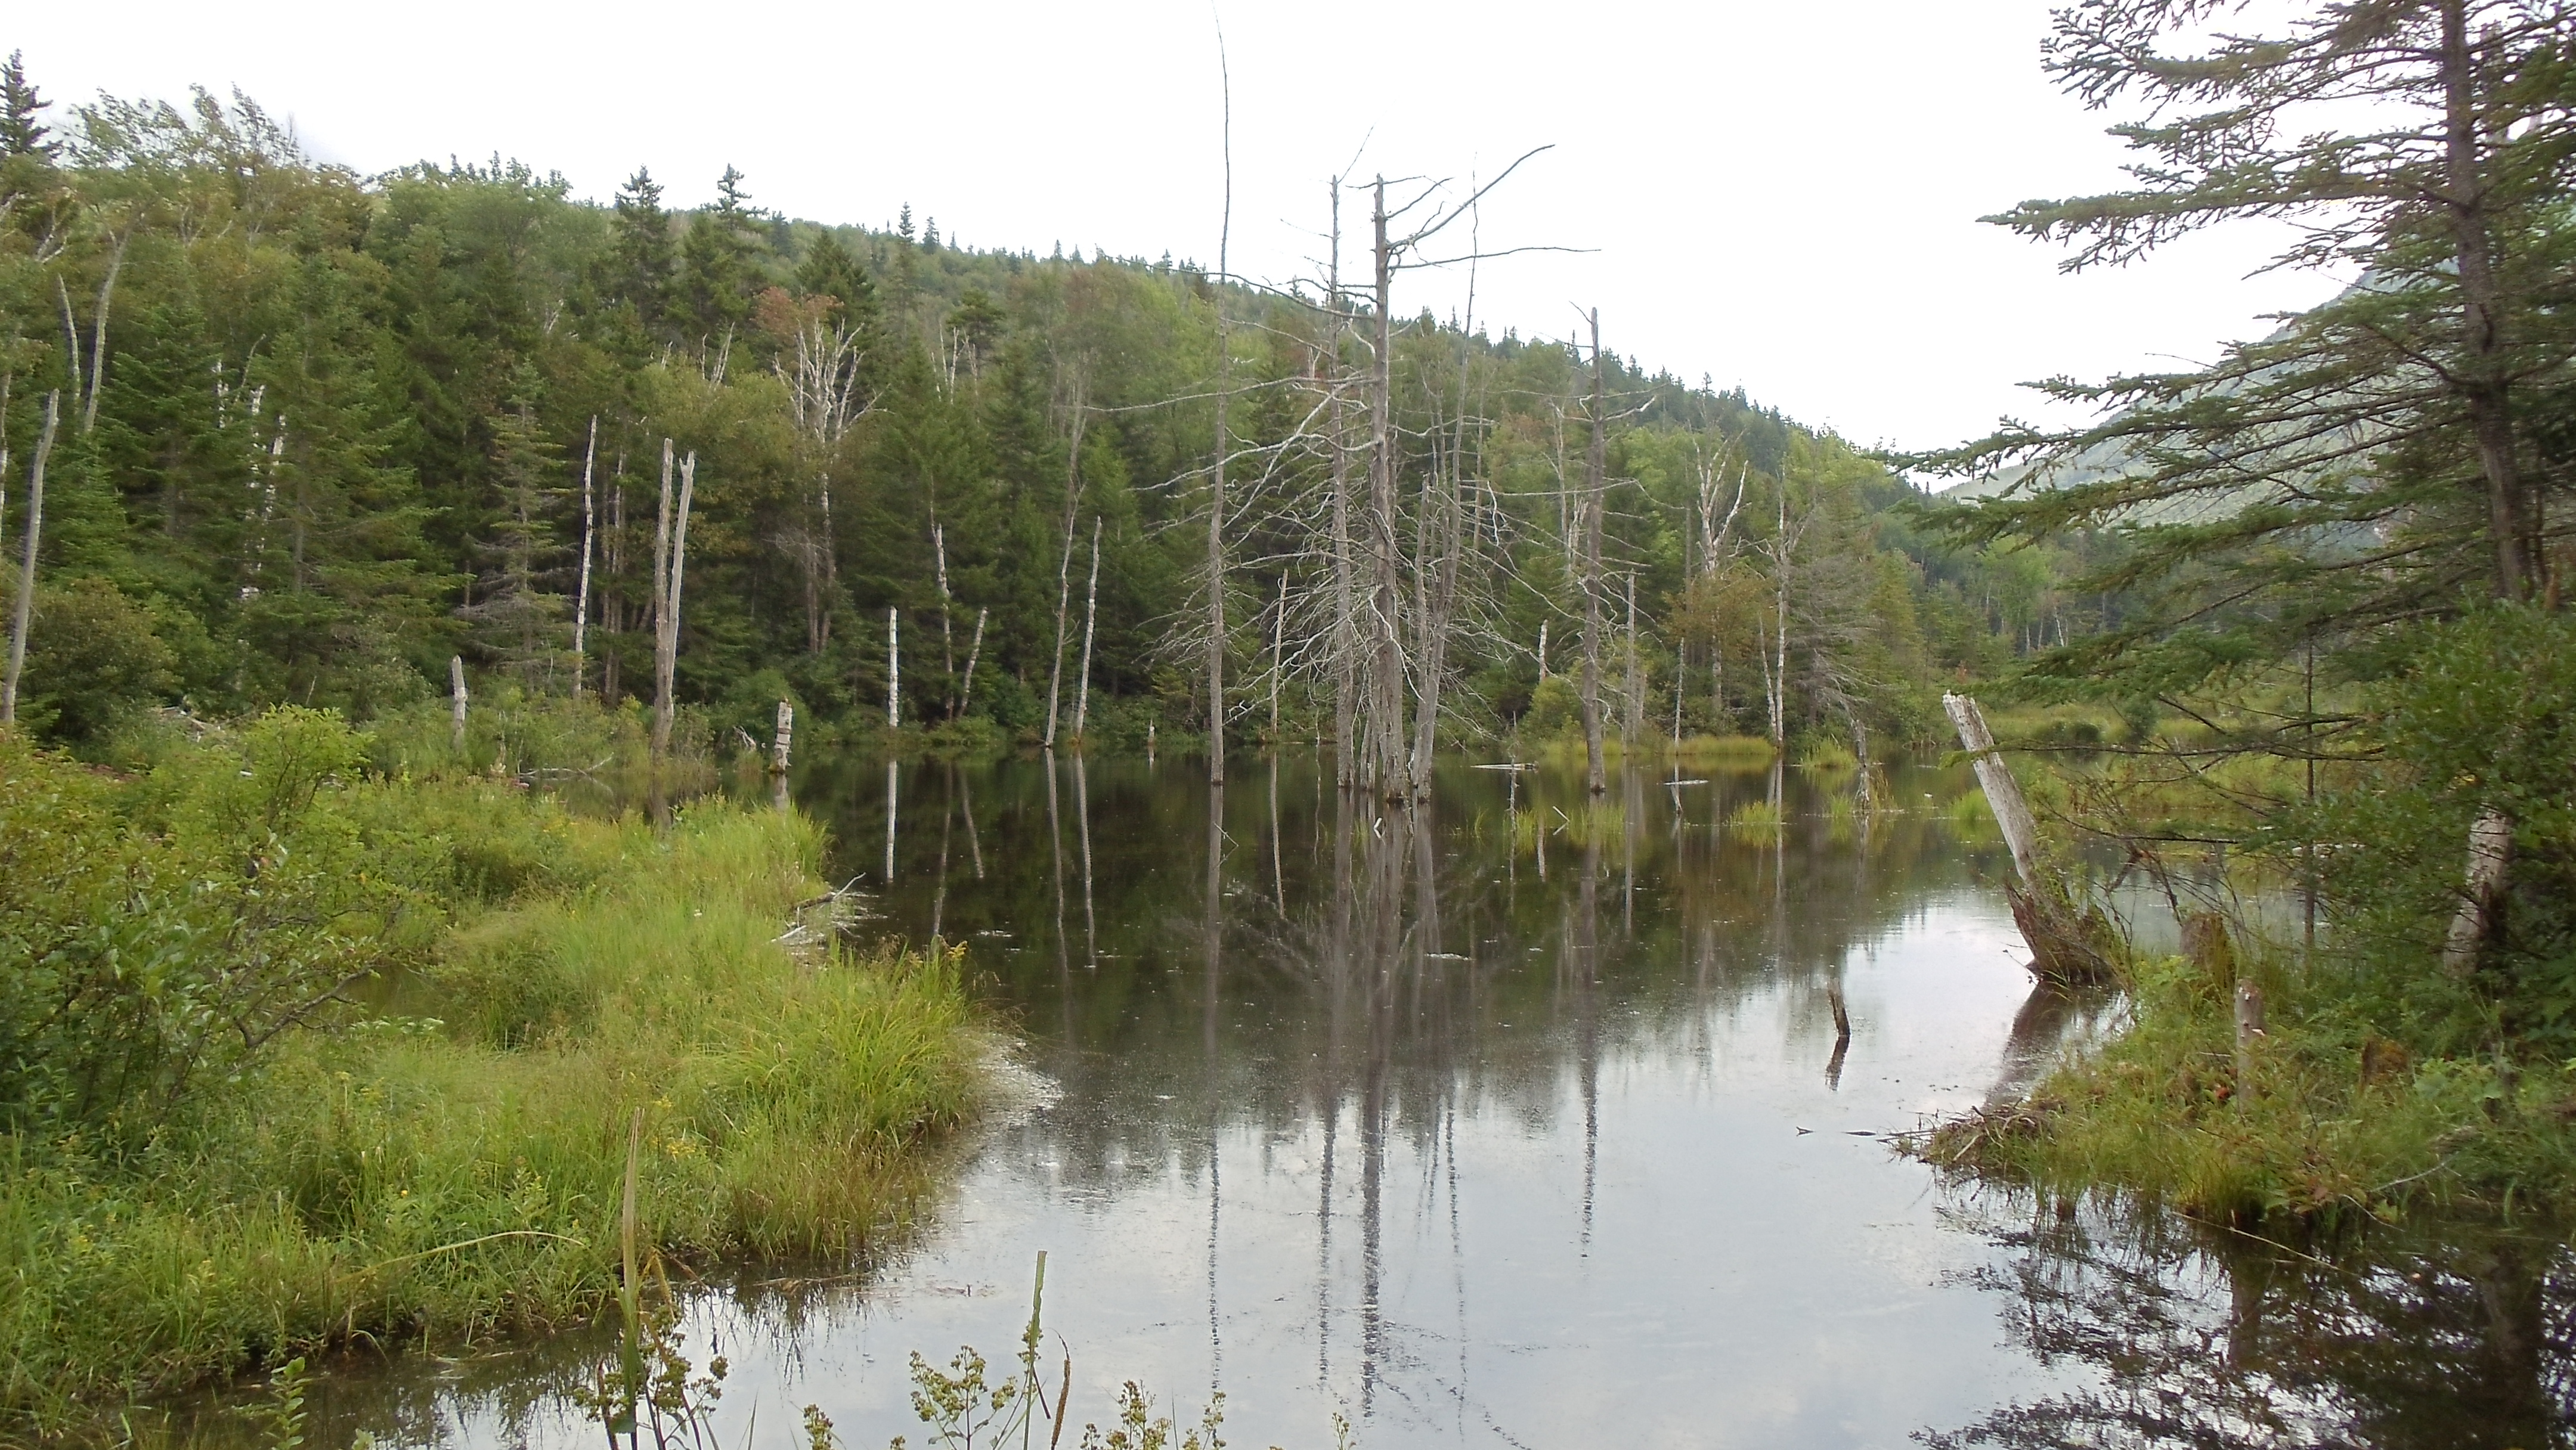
(1782,196)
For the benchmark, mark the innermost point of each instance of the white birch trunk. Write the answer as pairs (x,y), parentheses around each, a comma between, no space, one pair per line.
(1090,613)
(589,532)
(22,611)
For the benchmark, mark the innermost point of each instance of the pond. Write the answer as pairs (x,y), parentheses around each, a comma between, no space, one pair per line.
(1533,1121)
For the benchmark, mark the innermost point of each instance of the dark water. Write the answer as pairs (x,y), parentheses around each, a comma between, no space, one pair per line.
(1532,1124)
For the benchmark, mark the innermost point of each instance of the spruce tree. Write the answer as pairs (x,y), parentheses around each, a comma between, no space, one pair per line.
(20,132)
(641,252)
(2379,458)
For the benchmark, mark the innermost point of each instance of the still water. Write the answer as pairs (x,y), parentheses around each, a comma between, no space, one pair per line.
(1526,1122)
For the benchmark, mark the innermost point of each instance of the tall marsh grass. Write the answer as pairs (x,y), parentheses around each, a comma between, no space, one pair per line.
(454,1167)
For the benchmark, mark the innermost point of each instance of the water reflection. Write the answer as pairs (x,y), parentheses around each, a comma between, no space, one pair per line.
(1533,1119)
(2445,1337)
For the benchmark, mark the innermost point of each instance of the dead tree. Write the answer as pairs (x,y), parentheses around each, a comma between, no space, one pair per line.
(670,563)
(823,399)
(1090,614)
(1595,466)
(589,532)
(1224,443)
(1064,563)
(1385,758)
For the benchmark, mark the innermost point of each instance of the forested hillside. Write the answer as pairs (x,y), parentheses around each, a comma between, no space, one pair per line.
(319,432)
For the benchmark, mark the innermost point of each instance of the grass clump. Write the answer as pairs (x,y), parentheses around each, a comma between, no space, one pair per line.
(2321,1115)
(449,1160)
(1722,752)
(1824,753)
(1755,815)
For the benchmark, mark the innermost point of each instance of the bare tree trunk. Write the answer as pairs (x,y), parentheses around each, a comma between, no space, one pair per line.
(1636,670)
(23,608)
(98,333)
(1224,446)
(2003,793)
(661,595)
(456,703)
(781,743)
(1386,602)
(1090,614)
(1779,668)
(589,530)
(1595,465)
(966,692)
(947,639)
(1278,656)
(1346,770)
(71,336)
(612,611)
(1064,570)
(8,375)
(2487,391)
(894,671)
(2490,853)
(666,653)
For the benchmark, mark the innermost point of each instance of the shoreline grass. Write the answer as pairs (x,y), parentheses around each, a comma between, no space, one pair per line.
(450,1162)
(2321,1117)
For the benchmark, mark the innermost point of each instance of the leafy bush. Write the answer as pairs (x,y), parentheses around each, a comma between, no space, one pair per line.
(94,660)
(2479,713)
(148,951)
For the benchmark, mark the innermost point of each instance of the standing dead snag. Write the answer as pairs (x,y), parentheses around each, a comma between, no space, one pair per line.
(671,556)
(1064,563)
(589,530)
(1384,766)
(1224,444)
(1090,615)
(2490,854)
(456,703)
(22,610)
(2068,943)
(894,675)
(1595,466)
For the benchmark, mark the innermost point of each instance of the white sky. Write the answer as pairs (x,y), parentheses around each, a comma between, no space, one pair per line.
(1778,195)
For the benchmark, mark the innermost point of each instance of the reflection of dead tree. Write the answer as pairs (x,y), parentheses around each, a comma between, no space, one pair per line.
(2207,1336)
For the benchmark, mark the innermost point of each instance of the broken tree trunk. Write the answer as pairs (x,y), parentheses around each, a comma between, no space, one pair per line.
(2490,853)
(784,740)
(456,703)
(2068,943)
(894,671)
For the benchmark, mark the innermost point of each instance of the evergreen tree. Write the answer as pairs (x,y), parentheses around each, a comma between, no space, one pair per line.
(21,134)
(642,260)
(719,263)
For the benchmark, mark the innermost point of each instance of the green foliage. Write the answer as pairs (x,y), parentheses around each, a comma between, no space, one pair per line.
(167,948)
(181,1197)
(94,662)
(346,431)
(2476,715)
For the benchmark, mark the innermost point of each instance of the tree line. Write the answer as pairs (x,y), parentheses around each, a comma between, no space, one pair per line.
(317,434)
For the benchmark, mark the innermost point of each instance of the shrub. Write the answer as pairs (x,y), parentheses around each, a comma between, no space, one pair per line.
(147,953)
